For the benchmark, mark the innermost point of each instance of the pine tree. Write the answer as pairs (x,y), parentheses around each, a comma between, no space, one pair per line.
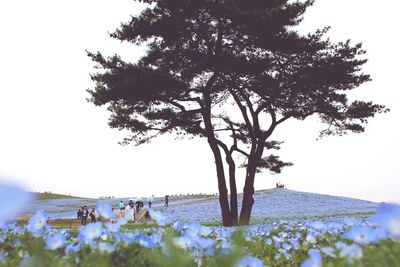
(204,56)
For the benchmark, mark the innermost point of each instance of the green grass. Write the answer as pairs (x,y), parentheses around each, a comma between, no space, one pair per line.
(46,195)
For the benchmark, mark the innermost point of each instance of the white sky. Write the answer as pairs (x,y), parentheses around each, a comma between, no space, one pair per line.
(51,138)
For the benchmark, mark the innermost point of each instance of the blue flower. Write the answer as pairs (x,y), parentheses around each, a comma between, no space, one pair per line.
(364,235)
(329,251)
(183,242)
(193,229)
(145,241)
(351,251)
(177,226)
(113,227)
(56,241)
(249,261)
(90,232)
(12,200)
(158,217)
(106,247)
(205,231)
(314,259)
(37,223)
(104,210)
(388,217)
(205,243)
(72,248)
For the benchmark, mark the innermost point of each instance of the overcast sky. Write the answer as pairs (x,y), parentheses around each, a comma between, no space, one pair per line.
(51,138)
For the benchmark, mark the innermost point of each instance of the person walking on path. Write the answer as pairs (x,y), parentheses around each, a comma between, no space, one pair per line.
(150,199)
(121,205)
(85,214)
(166,201)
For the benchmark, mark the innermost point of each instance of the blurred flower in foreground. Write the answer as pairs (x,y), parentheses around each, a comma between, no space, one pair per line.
(158,217)
(388,217)
(37,223)
(314,259)
(364,235)
(104,210)
(12,199)
(352,251)
(106,247)
(56,241)
(91,231)
(248,261)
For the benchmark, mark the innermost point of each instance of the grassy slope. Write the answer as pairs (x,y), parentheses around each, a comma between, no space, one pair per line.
(44,196)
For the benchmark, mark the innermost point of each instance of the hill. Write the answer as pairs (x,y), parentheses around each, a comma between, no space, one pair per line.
(49,195)
(276,204)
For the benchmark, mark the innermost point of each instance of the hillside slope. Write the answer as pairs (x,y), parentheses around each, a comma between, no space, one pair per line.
(277,204)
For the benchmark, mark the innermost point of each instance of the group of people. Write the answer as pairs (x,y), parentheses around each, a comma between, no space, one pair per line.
(83,214)
(132,208)
(279,185)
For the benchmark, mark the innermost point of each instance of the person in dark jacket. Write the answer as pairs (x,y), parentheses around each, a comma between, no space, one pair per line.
(85,214)
(79,214)
(93,215)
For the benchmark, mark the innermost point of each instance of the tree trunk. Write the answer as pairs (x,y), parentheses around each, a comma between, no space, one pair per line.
(209,130)
(223,192)
(248,189)
(233,190)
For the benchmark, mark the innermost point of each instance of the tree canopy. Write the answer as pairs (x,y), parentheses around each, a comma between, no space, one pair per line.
(206,55)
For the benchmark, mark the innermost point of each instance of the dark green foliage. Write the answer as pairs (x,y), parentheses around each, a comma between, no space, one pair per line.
(205,54)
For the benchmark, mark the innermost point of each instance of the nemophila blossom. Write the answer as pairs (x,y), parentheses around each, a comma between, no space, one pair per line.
(352,251)
(310,238)
(158,217)
(314,259)
(364,235)
(12,200)
(193,229)
(388,217)
(37,223)
(104,210)
(72,248)
(90,232)
(183,242)
(106,247)
(145,241)
(127,238)
(55,241)
(113,227)
(249,261)
(205,231)
(328,251)
(177,226)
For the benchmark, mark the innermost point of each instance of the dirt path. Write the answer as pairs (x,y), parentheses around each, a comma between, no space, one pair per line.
(74,223)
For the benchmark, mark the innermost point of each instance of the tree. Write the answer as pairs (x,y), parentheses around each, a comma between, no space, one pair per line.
(205,56)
